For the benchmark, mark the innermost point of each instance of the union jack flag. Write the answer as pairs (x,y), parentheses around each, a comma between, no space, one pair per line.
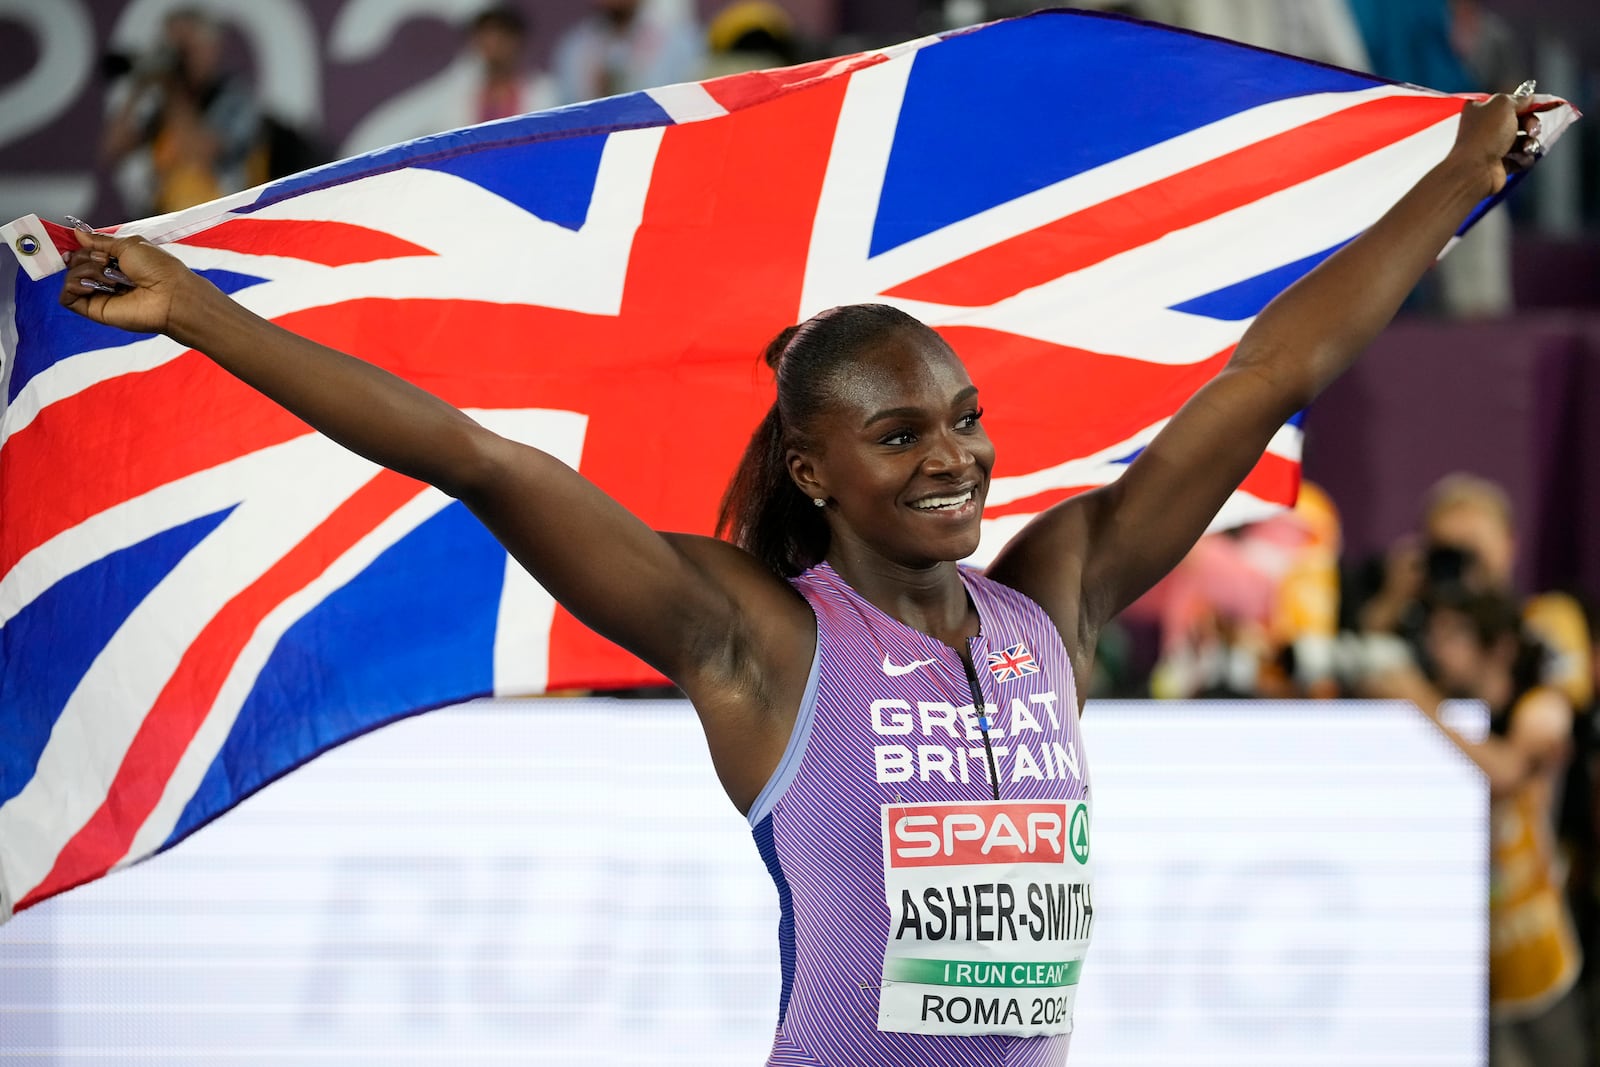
(197,594)
(1011,663)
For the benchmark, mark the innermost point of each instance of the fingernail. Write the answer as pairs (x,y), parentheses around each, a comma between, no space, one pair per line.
(99,257)
(117,276)
(1526,88)
(78,224)
(99,287)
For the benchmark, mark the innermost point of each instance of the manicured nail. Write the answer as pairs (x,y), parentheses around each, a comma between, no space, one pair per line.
(117,276)
(99,287)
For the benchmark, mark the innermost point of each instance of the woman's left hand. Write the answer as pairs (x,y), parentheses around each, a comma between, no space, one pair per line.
(1497,137)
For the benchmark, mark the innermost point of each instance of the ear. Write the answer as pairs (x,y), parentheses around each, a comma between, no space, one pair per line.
(803,469)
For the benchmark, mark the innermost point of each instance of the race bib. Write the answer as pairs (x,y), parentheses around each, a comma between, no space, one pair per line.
(990,911)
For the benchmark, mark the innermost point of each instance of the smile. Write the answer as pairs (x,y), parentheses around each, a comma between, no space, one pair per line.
(944,503)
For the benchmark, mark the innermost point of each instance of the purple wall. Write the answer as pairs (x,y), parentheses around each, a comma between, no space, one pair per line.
(1512,400)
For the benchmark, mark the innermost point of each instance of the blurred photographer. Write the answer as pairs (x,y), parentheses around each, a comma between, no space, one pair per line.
(1475,648)
(186,130)
(1467,541)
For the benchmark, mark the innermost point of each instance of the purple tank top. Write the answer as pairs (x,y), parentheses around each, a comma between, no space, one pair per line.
(887,757)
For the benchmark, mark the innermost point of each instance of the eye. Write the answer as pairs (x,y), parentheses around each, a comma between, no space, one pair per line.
(897,438)
(970,420)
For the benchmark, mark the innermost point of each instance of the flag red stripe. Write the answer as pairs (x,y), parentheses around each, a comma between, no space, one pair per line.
(1273,479)
(1035,502)
(738,91)
(740,276)
(1142,215)
(189,694)
(333,244)
(86,452)
(1051,403)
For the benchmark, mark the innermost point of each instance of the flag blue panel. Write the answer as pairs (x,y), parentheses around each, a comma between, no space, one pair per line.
(995,140)
(229,281)
(48,646)
(566,170)
(46,337)
(632,111)
(1245,299)
(371,654)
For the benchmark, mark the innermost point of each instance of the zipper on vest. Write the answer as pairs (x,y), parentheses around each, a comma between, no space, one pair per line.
(980,709)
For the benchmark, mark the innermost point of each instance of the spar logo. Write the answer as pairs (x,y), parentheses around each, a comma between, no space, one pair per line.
(941,835)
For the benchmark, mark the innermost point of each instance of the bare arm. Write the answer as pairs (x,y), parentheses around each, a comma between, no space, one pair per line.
(1089,557)
(714,621)
(1536,743)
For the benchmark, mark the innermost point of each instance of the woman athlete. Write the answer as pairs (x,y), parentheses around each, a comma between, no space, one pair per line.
(902,732)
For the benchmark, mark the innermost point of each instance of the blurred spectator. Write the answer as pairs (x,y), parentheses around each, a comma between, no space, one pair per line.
(1476,650)
(492,77)
(1453,46)
(187,130)
(623,46)
(503,83)
(750,35)
(1410,41)
(1240,599)
(1316,29)
(1468,540)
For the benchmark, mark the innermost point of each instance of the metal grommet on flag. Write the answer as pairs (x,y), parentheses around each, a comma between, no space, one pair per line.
(36,250)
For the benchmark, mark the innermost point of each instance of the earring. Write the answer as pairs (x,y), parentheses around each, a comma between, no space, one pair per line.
(819,502)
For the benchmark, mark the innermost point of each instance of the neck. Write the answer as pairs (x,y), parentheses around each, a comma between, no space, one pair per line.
(932,598)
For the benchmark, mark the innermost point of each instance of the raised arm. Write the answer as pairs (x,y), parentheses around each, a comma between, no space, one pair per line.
(701,612)
(1089,557)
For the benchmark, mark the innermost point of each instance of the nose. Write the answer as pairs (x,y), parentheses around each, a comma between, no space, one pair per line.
(948,454)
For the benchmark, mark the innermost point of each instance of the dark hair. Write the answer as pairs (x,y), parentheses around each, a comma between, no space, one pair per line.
(763,511)
(1494,617)
(501,17)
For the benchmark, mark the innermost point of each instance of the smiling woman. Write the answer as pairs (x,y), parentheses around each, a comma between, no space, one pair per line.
(900,421)
(899,729)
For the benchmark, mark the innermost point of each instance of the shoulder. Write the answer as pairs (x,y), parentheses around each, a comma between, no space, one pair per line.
(1541,722)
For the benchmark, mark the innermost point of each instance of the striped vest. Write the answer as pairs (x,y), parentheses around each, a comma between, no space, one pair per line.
(888,719)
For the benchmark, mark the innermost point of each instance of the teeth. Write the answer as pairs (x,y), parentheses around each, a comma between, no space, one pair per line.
(939,503)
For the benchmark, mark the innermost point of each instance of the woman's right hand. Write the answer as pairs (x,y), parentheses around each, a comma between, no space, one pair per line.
(125,282)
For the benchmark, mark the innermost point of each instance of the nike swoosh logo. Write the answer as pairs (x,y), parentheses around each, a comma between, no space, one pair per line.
(894,670)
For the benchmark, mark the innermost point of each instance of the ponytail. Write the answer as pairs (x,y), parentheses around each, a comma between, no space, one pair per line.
(763,511)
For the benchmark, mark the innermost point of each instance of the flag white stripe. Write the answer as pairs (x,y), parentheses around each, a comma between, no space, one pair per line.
(490,250)
(213,732)
(527,642)
(558,432)
(92,734)
(1240,508)
(137,519)
(688,102)
(860,157)
(522,625)
(1122,305)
